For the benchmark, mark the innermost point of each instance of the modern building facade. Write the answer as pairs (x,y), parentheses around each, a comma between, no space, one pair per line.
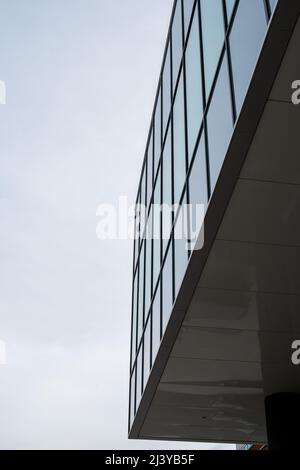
(212,329)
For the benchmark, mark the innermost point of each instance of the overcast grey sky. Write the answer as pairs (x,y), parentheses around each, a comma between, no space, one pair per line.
(81,77)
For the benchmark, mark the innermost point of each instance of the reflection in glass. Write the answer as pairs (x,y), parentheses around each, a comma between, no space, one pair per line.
(156,324)
(176,41)
(179,142)
(147,361)
(167,288)
(246,39)
(220,124)
(166,90)
(213,37)
(193,85)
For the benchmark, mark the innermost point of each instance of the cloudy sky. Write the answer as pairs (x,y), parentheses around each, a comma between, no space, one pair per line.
(81,77)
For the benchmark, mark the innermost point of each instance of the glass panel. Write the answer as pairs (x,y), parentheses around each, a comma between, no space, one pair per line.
(187,9)
(134,319)
(246,38)
(147,341)
(219,123)
(166,90)
(141,294)
(156,324)
(198,193)
(198,177)
(148,265)
(167,190)
(181,247)
(213,37)
(132,397)
(137,228)
(179,143)
(150,168)
(157,229)
(139,377)
(167,288)
(157,130)
(143,201)
(176,41)
(273,4)
(136,239)
(229,6)
(193,85)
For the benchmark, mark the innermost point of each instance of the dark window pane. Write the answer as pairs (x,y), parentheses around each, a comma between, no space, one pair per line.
(179,142)
(176,41)
(219,123)
(141,294)
(150,168)
(167,190)
(213,37)
(166,90)
(187,8)
(134,318)
(139,377)
(157,229)
(156,324)
(167,288)
(181,247)
(147,339)
(229,5)
(198,193)
(157,137)
(194,85)
(132,398)
(246,38)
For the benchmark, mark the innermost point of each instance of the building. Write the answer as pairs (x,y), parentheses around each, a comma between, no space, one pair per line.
(213,328)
